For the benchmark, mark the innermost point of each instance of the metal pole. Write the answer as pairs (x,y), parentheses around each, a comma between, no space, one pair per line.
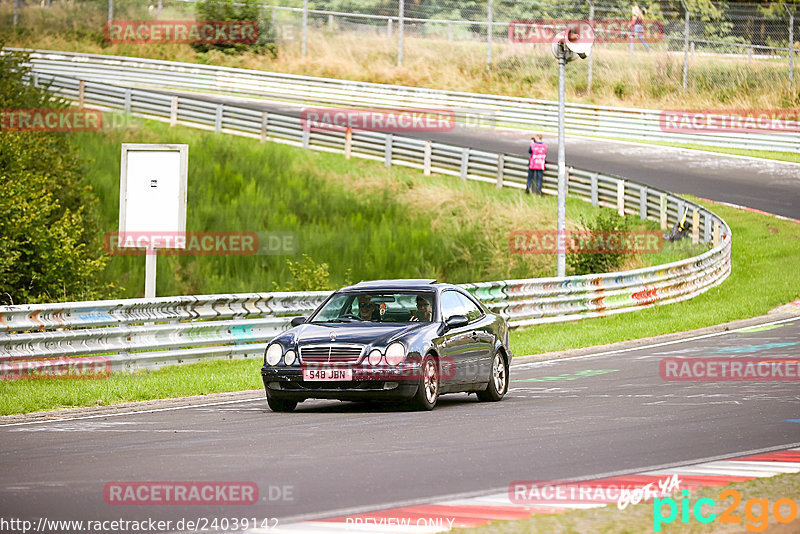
(150,273)
(489,37)
(110,11)
(158,9)
(591,56)
(305,25)
(16,9)
(685,45)
(791,47)
(400,16)
(561,257)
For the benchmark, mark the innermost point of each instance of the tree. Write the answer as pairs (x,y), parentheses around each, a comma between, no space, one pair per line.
(239,10)
(49,244)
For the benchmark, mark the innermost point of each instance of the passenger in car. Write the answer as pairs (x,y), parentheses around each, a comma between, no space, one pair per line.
(423,311)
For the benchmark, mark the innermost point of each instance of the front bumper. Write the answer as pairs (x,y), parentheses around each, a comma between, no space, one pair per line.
(368,383)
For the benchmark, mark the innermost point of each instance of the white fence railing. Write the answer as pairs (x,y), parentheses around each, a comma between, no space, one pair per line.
(581,119)
(148,333)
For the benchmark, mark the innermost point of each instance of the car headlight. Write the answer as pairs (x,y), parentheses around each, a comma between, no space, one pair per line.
(274,353)
(395,353)
(374,357)
(289,357)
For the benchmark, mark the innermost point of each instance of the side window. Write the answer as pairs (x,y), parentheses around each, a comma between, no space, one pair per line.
(451,304)
(470,309)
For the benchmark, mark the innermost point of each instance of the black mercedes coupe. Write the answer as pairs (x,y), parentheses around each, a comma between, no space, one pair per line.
(390,340)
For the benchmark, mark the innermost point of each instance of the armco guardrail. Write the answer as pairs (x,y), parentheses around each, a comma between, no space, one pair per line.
(581,119)
(148,333)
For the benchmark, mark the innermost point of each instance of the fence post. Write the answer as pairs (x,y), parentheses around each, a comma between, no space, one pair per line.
(387,149)
(489,37)
(218,119)
(305,25)
(330,23)
(389,28)
(264,125)
(110,11)
(400,17)
(501,159)
(127,105)
(464,162)
(594,190)
(707,229)
(791,47)
(173,112)
(16,12)
(621,197)
(81,92)
(158,9)
(643,202)
(591,56)
(348,142)
(695,227)
(685,45)
(426,165)
(663,213)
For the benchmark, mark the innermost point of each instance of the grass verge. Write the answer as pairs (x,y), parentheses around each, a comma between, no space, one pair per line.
(640,518)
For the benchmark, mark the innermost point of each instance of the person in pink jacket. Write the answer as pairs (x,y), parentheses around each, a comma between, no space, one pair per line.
(538,153)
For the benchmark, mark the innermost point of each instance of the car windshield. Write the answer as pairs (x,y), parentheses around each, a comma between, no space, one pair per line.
(377,307)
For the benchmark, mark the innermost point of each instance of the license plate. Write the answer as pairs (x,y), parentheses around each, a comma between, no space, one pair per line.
(321,375)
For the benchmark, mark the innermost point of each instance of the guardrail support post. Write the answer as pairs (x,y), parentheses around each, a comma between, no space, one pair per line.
(173,112)
(695,227)
(426,164)
(621,197)
(81,93)
(264,125)
(663,212)
(501,159)
(643,202)
(595,200)
(306,137)
(707,228)
(716,233)
(127,105)
(348,142)
(218,119)
(464,162)
(387,151)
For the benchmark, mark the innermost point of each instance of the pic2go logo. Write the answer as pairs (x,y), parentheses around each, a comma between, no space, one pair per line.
(757,521)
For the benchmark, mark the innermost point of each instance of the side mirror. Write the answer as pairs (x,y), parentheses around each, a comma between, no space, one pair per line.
(456,321)
(297,321)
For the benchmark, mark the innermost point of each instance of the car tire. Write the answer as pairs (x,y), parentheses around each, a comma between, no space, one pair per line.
(428,390)
(280,405)
(498,380)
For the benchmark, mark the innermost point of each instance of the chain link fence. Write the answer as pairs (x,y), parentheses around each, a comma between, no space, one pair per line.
(703,46)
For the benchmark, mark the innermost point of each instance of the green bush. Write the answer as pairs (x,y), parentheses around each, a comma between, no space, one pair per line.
(606,221)
(49,244)
(238,10)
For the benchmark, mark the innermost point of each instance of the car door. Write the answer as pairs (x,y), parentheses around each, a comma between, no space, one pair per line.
(455,352)
(481,340)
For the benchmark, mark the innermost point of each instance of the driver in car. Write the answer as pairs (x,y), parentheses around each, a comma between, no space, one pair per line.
(366,308)
(423,311)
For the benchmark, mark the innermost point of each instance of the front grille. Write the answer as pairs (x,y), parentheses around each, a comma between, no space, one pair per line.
(331,353)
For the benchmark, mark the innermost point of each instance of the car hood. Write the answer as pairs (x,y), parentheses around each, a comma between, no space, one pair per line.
(375,334)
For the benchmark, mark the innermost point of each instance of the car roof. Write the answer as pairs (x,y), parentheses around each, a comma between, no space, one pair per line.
(422,283)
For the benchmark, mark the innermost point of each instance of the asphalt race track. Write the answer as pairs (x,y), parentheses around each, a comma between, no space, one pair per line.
(581,417)
(571,418)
